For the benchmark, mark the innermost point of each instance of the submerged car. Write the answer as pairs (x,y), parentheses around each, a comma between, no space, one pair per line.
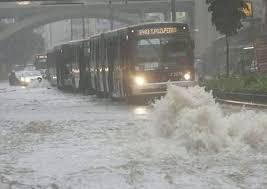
(24,77)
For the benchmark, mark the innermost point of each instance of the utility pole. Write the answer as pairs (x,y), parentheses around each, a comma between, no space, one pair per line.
(173,10)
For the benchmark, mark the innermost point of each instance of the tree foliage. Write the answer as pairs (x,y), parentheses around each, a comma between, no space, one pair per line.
(226,15)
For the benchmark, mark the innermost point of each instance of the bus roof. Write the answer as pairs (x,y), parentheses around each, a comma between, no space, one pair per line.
(73,42)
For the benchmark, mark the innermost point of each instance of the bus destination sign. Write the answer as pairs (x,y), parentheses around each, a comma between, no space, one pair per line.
(154,31)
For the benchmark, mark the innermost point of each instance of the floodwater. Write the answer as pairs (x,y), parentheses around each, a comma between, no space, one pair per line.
(55,140)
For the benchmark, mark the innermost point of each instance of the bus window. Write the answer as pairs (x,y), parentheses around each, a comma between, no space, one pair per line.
(40,62)
(159,52)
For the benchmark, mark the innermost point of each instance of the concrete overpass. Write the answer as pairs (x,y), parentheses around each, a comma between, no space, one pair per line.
(35,14)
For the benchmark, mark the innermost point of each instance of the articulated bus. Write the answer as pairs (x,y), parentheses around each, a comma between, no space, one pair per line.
(135,61)
(66,65)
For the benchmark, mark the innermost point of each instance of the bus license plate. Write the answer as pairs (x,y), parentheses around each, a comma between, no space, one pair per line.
(151,66)
(175,74)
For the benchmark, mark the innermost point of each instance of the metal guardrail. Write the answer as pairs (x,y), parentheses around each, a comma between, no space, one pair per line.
(240,103)
(240,98)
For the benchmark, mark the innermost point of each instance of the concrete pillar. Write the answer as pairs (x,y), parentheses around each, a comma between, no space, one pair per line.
(83,27)
(191,19)
(71,30)
(50,35)
(173,10)
(142,16)
(265,15)
(167,16)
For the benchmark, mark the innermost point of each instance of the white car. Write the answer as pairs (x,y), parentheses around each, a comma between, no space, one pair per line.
(25,77)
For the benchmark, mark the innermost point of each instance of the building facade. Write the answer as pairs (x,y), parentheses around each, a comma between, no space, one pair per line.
(74,29)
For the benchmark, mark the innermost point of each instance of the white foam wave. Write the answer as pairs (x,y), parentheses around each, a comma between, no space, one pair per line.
(193,119)
(37,84)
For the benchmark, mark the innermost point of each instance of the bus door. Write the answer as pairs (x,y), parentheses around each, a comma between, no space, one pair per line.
(117,72)
(86,83)
(99,85)
(92,65)
(111,55)
(103,65)
(59,67)
(82,66)
(95,72)
(99,67)
(127,64)
(124,73)
(108,41)
(106,67)
(51,70)
(76,66)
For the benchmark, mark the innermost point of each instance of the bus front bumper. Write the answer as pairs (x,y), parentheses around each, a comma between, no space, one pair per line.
(159,88)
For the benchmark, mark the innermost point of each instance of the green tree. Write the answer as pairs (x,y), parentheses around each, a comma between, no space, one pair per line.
(226,15)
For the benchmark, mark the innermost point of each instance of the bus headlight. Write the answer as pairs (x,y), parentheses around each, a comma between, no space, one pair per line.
(187,76)
(139,80)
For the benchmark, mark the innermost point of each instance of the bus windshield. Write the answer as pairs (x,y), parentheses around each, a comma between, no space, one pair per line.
(157,53)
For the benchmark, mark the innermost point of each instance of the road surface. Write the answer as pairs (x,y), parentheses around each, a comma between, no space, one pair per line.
(55,140)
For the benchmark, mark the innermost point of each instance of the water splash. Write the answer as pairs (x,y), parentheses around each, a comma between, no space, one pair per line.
(37,84)
(192,118)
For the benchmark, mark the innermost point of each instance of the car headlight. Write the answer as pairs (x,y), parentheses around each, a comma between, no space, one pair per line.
(187,76)
(27,79)
(139,80)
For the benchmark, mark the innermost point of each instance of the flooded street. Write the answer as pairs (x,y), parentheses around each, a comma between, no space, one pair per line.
(55,140)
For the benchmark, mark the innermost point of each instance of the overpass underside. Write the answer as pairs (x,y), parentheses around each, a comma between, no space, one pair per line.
(134,12)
